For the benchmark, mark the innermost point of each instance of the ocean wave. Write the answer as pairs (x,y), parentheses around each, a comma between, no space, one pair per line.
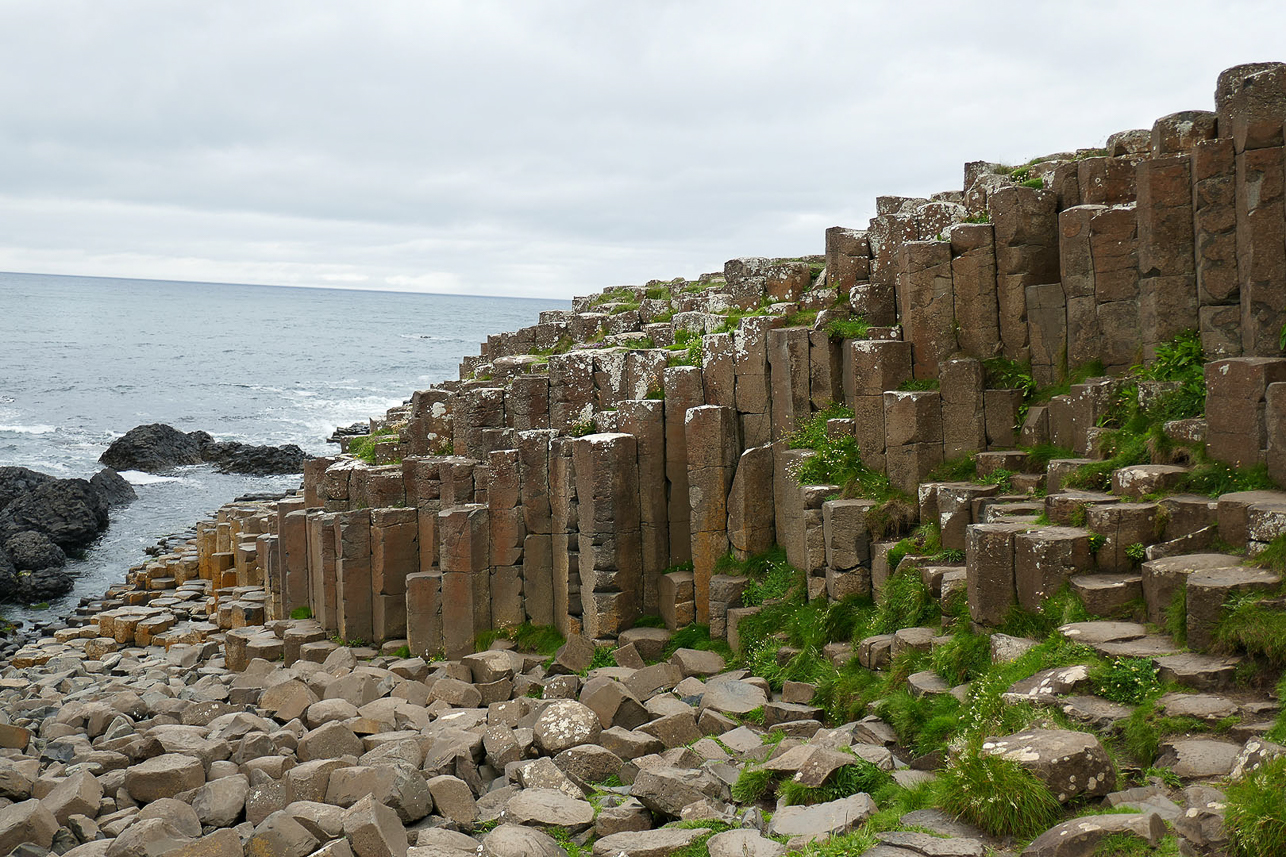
(138,477)
(36,429)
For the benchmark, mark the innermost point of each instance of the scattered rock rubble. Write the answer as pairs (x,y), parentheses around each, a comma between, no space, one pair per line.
(579,460)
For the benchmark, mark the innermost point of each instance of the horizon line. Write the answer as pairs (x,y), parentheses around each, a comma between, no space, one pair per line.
(284,286)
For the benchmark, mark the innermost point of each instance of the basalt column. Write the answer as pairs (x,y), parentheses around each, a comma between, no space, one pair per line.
(683,391)
(1167,257)
(645,419)
(353,575)
(394,555)
(1026,233)
(607,492)
(537,553)
(466,563)
(565,517)
(712,452)
(508,537)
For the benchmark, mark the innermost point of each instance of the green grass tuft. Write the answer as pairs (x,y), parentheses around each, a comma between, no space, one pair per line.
(752,784)
(849,328)
(1129,681)
(304,612)
(997,795)
(1251,626)
(1255,814)
(859,777)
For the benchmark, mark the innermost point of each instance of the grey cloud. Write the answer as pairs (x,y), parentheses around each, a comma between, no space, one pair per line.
(543,148)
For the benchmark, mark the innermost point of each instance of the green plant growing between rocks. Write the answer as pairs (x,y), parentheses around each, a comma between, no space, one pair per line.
(304,612)
(1129,681)
(363,446)
(849,328)
(1256,811)
(1252,626)
(997,795)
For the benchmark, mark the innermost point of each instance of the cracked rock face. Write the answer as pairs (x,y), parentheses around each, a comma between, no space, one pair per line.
(1069,763)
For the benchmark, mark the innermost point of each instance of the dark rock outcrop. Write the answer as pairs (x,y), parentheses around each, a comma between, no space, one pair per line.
(113,487)
(158,447)
(16,481)
(233,457)
(31,551)
(71,512)
(155,447)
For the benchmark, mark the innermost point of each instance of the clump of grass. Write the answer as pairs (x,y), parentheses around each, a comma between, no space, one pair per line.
(363,446)
(402,652)
(752,784)
(1278,731)
(1213,478)
(849,328)
(1273,556)
(997,795)
(960,469)
(916,385)
(1255,814)
(304,612)
(1254,627)
(539,639)
(1126,680)
(1061,608)
(963,657)
(687,349)
(859,777)
(696,637)
(583,428)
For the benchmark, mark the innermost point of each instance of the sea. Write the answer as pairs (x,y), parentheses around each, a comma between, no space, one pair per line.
(85,359)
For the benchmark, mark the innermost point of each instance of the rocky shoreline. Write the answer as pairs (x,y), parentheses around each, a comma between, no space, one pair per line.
(965,539)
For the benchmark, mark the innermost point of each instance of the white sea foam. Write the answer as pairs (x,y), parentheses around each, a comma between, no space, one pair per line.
(36,429)
(138,477)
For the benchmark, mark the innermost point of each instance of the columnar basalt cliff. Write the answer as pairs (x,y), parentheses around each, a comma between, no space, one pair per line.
(989,479)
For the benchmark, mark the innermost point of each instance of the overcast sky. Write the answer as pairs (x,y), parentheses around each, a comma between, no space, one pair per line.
(545,148)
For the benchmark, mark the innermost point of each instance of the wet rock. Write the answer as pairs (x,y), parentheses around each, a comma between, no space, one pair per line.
(154,448)
(113,487)
(33,550)
(71,512)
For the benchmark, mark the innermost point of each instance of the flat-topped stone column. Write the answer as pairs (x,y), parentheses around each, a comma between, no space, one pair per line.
(353,593)
(713,451)
(607,491)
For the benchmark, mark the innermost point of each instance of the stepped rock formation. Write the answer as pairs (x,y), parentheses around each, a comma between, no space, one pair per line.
(592,472)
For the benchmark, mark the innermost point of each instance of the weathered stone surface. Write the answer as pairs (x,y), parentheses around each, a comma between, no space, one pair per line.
(373,830)
(164,776)
(549,808)
(743,843)
(1069,763)
(1198,758)
(514,840)
(647,843)
(823,820)
(26,821)
(564,724)
(668,790)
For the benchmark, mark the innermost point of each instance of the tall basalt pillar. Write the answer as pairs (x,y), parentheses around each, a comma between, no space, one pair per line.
(353,575)
(754,379)
(788,355)
(683,391)
(565,540)
(395,554)
(607,491)
(973,279)
(1026,231)
(1261,249)
(645,419)
(424,614)
(927,304)
(1214,214)
(537,553)
(1168,298)
(466,567)
(293,532)
(712,452)
(321,569)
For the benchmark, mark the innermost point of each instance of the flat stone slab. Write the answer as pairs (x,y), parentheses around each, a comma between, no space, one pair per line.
(1090,633)
(932,846)
(1202,706)
(1198,758)
(1068,763)
(1199,672)
(1095,711)
(647,843)
(1151,646)
(823,820)
(1048,685)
